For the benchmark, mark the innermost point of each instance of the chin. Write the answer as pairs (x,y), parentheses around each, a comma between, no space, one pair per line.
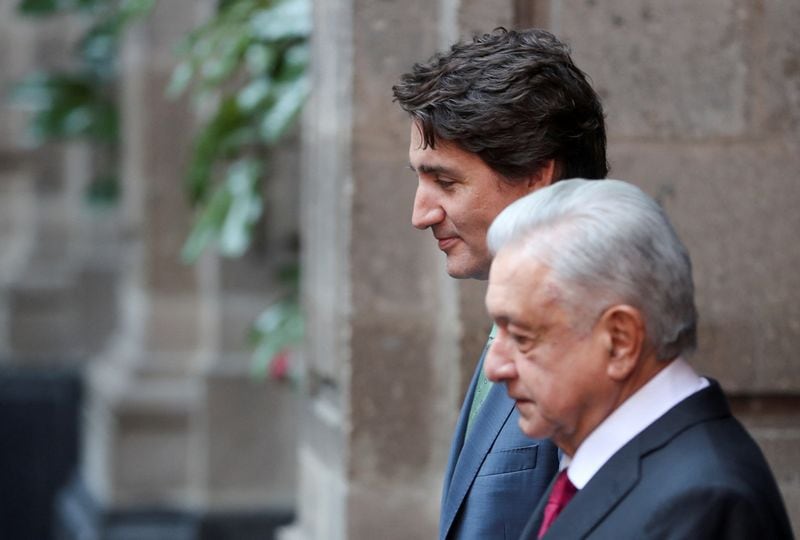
(467,271)
(533,429)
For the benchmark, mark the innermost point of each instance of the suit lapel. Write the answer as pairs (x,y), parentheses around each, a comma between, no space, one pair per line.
(487,425)
(460,431)
(591,504)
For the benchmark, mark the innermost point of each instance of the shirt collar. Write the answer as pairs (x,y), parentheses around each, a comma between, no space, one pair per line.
(669,387)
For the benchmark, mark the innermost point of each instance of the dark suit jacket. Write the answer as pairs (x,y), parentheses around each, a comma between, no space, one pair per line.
(496,475)
(695,473)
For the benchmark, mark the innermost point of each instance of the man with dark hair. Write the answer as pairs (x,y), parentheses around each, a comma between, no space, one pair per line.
(492,120)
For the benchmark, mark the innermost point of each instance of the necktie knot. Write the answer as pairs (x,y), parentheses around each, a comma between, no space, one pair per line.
(562,492)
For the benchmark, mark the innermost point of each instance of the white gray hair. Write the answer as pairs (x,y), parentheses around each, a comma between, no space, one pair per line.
(608,242)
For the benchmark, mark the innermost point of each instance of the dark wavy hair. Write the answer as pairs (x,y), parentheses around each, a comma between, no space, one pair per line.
(515,98)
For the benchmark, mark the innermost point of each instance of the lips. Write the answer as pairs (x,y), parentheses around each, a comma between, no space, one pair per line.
(519,400)
(446,242)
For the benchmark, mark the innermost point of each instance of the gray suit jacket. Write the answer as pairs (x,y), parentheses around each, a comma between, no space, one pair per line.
(495,475)
(694,473)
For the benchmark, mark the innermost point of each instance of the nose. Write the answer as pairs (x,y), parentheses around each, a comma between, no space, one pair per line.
(427,211)
(498,364)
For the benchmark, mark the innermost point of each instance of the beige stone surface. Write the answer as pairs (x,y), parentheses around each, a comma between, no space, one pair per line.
(326,185)
(149,465)
(393,387)
(775,67)
(251,442)
(735,207)
(664,70)
(481,16)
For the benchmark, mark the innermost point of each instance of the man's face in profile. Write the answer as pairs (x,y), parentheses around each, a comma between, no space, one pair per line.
(550,359)
(458,196)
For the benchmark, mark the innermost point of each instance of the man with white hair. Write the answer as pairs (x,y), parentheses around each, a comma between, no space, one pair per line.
(592,294)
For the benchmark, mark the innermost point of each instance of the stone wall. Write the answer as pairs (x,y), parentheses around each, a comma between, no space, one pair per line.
(702,104)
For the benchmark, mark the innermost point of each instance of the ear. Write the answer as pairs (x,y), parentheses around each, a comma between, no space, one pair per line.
(544,177)
(624,330)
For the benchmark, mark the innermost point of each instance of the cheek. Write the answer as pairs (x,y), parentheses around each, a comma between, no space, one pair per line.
(547,387)
(472,213)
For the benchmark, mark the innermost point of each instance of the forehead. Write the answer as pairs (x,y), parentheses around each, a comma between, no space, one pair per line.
(446,153)
(520,285)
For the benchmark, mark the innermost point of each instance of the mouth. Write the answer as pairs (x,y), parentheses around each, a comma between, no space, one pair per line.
(519,401)
(446,242)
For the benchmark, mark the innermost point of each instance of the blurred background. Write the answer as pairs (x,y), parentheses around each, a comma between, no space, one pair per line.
(216,321)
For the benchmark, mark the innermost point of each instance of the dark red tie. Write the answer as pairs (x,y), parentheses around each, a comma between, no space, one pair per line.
(562,493)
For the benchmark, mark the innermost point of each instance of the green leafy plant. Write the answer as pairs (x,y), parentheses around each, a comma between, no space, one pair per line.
(248,66)
(246,71)
(81,103)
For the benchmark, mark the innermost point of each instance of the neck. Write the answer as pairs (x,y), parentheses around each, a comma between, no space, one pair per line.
(643,373)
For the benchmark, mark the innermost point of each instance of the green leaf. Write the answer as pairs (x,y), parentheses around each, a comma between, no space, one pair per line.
(206,226)
(245,209)
(249,62)
(295,61)
(285,19)
(67,106)
(289,275)
(99,44)
(131,9)
(252,95)
(103,190)
(39,7)
(289,100)
(34,92)
(210,145)
(230,215)
(260,58)
(181,77)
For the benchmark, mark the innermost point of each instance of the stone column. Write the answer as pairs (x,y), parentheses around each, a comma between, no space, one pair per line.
(180,441)
(392,340)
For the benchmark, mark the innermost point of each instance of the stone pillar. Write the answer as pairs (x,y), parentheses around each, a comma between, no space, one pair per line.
(392,340)
(180,442)
(703,110)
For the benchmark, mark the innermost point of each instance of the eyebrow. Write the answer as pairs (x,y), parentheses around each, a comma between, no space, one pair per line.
(432,169)
(501,320)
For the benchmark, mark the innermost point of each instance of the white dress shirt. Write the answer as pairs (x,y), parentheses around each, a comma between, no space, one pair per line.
(672,385)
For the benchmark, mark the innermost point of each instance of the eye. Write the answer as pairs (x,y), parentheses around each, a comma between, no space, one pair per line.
(444,183)
(519,340)
(523,343)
